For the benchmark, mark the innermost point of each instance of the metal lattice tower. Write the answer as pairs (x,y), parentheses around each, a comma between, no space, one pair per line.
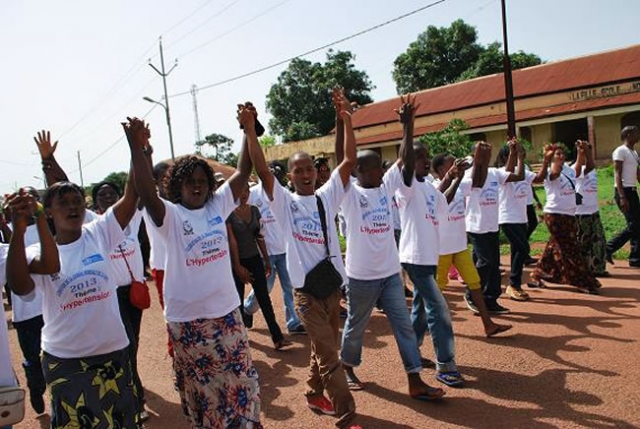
(196,120)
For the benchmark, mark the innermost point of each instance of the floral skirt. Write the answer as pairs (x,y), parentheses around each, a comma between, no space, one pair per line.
(592,242)
(215,375)
(563,261)
(93,392)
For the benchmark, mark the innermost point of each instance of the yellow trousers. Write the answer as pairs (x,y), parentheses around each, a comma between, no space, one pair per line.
(465,266)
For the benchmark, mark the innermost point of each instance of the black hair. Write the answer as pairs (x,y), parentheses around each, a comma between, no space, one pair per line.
(296,156)
(97,186)
(319,162)
(59,189)
(439,160)
(181,171)
(627,131)
(159,168)
(501,158)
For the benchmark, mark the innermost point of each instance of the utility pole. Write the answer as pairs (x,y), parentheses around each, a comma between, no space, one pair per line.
(80,170)
(508,82)
(194,95)
(166,96)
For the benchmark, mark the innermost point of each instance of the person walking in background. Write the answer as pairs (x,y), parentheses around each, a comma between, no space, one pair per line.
(626,167)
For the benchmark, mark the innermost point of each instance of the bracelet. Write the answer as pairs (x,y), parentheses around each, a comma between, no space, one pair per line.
(39,210)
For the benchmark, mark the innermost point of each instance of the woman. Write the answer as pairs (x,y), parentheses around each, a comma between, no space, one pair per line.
(247,244)
(86,366)
(201,301)
(562,260)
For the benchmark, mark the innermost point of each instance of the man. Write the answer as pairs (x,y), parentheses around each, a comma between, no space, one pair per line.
(372,261)
(299,216)
(626,174)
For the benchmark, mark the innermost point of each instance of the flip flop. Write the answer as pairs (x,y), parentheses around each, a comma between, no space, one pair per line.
(499,330)
(355,385)
(430,395)
(451,378)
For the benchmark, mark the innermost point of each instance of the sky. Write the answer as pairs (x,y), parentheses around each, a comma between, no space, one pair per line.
(78,68)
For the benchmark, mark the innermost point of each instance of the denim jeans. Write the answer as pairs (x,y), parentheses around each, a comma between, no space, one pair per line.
(436,319)
(279,265)
(486,254)
(362,296)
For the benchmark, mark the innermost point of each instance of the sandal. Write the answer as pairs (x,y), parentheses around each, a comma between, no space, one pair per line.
(282,344)
(431,394)
(354,383)
(451,378)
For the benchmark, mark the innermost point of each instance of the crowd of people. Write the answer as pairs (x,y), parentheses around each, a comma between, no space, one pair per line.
(72,271)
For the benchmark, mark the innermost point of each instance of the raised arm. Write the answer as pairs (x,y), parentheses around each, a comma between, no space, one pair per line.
(480,168)
(4,228)
(247,117)
(350,159)
(336,96)
(126,206)
(138,137)
(581,157)
(53,173)
(517,151)
(546,160)
(406,154)
(452,179)
(256,157)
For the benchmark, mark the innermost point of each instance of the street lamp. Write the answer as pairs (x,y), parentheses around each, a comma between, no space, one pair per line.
(166,110)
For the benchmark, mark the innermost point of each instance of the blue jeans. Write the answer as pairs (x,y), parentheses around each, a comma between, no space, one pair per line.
(279,264)
(436,319)
(362,296)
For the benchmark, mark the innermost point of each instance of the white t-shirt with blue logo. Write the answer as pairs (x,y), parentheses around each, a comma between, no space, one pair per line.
(453,230)
(80,305)
(587,186)
(422,209)
(198,282)
(513,198)
(482,203)
(298,216)
(371,246)
(561,195)
(273,237)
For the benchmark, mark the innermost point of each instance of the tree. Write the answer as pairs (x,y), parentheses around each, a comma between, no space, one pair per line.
(491,61)
(300,101)
(445,55)
(449,140)
(267,141)
(117,178)
(222,146)
(438,57)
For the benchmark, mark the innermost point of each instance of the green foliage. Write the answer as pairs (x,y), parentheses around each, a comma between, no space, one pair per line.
(445,55)
(300,101)
(449,140)
(267,141)
(119,178)
(222,146)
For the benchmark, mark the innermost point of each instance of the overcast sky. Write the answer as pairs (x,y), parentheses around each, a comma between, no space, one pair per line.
(78,68)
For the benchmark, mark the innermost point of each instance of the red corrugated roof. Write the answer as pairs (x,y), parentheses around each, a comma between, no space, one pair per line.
(591,70)
(523,115)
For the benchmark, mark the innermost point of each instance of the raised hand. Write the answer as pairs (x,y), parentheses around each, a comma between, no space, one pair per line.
(43,141)
(458,168)
(341,103)
(247,115)
(408,108)
(548,151)
(137,133)
(22,206)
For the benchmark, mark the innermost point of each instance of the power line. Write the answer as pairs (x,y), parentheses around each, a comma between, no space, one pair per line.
(328,45)
(208,42)
(174,26)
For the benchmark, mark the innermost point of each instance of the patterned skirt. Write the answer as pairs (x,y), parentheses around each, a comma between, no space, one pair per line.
(592,242)
(94,392)
(215,375)
(563,261)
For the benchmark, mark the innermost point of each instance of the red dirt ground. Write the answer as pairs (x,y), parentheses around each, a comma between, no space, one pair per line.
(571,360)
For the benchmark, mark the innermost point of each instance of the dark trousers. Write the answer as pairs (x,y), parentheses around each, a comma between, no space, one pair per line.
(255,265)
(517,235)
(632,231)
(532,220)
(131,317)
(29,332)
(486,255)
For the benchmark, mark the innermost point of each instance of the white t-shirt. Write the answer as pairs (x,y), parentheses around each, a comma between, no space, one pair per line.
(371,247)
(198,283)
(80,305)
(482,203)
(561,195)
(395,213)
(422,208)
(131,249)
(513,199)
(629,160)
(7,377)
(273,237)
(157,254)
(453,229)
(530,190)
(587,186)
(300,221)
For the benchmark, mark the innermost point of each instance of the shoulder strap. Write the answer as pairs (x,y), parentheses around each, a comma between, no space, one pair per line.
(323,223)
(570,181)
(126,262)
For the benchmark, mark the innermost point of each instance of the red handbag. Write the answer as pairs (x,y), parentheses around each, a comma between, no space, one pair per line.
(139,292)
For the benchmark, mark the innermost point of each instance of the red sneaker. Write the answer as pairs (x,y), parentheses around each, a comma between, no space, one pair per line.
(354,427)
(321,405)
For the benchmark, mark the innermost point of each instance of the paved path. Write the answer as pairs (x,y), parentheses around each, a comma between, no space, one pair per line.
(571,361)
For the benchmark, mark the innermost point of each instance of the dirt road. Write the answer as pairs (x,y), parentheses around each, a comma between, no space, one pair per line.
(571,361)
